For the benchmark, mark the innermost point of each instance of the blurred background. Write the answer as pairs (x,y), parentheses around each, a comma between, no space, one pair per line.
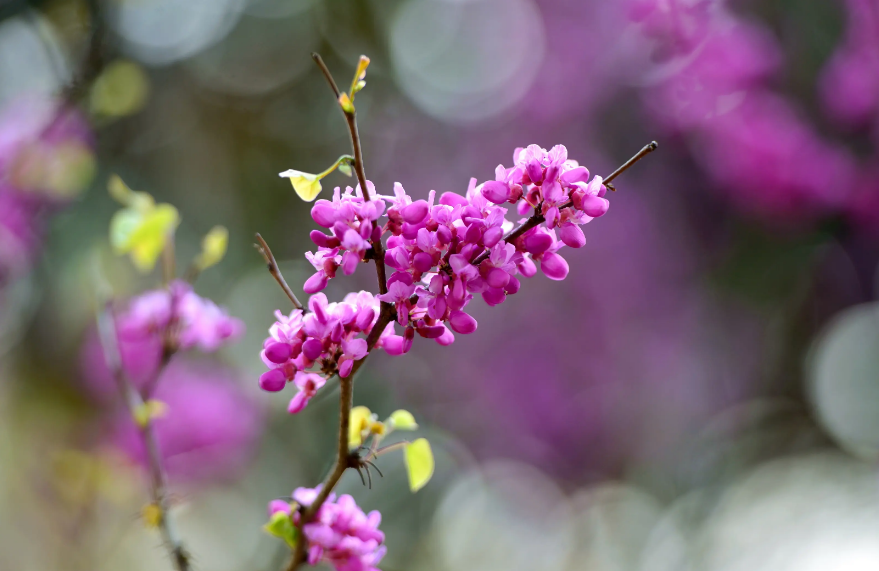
(701,393)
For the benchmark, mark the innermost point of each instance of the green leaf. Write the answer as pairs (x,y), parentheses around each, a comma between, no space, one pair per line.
(402,420)
(213,247)
(345,167)
(280,525)
(419,463)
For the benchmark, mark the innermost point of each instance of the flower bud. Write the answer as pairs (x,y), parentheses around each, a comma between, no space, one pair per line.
(278,353)
(272,380)
(554,266)
(462,323)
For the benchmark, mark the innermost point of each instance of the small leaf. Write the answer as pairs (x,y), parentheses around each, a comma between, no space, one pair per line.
(121,89)
(280,525)
(306,185)
(345,168)
(149,411)
(359,75)
(152,515)
(346,104)
(213,247)
(360,419)
(419,463)
(402,420)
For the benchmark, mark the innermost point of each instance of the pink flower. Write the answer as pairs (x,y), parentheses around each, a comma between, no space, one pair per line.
(308,384)
(341,534)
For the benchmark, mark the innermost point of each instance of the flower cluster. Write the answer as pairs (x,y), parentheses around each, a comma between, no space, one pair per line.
(46,158)
(340,534)
(192,320)
(445,251)
(327,337)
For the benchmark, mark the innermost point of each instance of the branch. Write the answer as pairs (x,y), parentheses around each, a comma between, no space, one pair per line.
(267,255)
(158,481)
(343,457)
(538,218)
(351,119)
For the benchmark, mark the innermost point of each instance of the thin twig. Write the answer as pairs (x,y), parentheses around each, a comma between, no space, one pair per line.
(538,218)
(266,252)
(351,119)
(158,481)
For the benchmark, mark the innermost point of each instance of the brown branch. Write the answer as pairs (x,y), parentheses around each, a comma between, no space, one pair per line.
(538,218)
(351,119)
(343,457)
(267,255)
(158,481)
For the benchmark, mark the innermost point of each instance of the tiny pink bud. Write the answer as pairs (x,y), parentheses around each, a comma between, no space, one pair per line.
(415,212)
(496,191)
(322,240)
(272,380)
(394,344)
(422,262)
(324,213)
(497,278)
(595,206)
(537,242)
(443,235)
(492,236)
(315,283)
(312,349)
(462,323)
(512,286)
(446,338)
(278,353)
(572,235)
(493,296)
(554,266)
(452,199)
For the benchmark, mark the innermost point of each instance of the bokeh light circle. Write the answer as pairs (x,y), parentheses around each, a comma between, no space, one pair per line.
(465,61)
(843,372)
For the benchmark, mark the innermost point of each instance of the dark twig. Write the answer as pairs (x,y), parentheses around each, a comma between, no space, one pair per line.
(267,255)
(158,481)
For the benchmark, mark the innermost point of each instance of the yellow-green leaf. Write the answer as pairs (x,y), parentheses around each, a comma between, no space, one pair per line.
(152,515)
(402,420)
(345,102)
(121,89)
(359,75)
(360,418)
(280,525)
(213,247)
(143,234)
(148,411)
(306,185)
(419,463)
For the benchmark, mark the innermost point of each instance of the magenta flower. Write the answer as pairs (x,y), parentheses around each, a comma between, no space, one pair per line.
(341,535)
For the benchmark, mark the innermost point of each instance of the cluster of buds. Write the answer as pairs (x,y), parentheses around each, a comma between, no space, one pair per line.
(340,534)
(306,347)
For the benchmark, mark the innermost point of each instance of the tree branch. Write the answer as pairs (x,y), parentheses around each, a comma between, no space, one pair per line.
(158,482)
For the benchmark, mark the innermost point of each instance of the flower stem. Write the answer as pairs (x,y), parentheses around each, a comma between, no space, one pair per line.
(134,401)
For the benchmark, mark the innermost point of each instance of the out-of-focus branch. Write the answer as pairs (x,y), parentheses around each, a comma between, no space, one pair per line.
(158,481)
